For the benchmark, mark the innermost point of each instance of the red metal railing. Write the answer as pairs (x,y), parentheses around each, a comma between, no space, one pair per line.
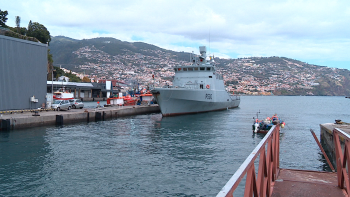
(268,152)
(342,159)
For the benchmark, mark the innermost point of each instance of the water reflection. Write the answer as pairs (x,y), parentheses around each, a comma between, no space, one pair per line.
(4,136)
(148,155)
(324,165)
(258,135)
(188,137)
(22,160)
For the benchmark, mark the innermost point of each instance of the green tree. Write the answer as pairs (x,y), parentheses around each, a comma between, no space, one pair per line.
(3,18)
(18,24)
(59,72)
(30,24)
(22,30)
(39,32)
(49,65)
(72,77)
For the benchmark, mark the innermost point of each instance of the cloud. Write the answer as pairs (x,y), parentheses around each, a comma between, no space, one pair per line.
(305,30)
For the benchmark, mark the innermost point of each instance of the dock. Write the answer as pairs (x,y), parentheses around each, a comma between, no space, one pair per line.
(327,137)
(271,180)
(291,182)
(21,119)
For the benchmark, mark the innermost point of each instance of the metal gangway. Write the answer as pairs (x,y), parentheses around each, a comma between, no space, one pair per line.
(268,179)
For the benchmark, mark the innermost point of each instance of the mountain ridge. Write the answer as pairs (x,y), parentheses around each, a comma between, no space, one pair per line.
(111,58)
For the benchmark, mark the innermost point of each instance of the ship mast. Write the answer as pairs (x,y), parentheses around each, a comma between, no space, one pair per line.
(203,52)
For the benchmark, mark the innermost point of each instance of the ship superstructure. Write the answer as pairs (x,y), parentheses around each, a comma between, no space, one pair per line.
(196,88)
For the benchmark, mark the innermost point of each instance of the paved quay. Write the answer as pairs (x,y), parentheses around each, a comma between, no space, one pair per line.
(292,182)
(28,119)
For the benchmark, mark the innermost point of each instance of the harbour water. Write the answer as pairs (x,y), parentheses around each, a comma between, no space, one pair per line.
(147,155)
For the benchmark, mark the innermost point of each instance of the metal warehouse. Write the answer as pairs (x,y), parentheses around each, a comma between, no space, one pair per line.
(23,72)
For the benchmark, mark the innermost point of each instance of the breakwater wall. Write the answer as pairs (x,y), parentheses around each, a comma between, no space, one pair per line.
(46,118)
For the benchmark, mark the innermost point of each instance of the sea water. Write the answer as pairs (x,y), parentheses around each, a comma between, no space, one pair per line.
(151,155)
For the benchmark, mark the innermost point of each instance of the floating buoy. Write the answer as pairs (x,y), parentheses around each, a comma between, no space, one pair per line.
(283,124)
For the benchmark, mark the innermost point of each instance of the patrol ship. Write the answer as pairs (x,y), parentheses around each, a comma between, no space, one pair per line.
(196,88)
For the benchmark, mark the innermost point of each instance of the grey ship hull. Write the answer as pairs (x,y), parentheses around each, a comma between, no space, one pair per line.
(178,101)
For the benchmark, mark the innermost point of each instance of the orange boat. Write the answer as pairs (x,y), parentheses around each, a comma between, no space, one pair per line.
(128,100)
(122,100)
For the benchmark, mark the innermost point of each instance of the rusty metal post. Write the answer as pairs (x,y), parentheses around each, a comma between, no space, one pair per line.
(324,153)
(262,172)
(278,147)
(338,153)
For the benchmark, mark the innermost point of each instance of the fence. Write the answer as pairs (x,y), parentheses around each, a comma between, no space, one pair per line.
(342,158)
(268,152)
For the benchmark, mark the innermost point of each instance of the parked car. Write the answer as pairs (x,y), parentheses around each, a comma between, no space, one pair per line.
(61,105)
(76,103)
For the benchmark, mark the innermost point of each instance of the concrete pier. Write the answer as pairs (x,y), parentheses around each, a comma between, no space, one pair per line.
(292,182)
(21,120)
(326,132)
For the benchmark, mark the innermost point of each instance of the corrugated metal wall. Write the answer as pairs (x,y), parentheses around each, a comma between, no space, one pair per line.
(23,69)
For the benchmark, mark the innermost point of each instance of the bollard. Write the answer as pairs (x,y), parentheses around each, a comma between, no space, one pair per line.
(59,120)
(98,116)
(36,113)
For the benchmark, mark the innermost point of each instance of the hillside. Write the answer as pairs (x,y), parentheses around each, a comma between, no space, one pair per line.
(109,58)
(62,49)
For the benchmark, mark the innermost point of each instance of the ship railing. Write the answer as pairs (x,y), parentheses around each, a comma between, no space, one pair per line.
(342,140)
(191,86)
(268,152)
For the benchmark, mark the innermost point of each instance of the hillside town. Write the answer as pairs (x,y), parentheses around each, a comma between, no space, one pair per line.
(251,76)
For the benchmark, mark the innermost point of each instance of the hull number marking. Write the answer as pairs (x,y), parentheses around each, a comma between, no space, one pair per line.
(208,96)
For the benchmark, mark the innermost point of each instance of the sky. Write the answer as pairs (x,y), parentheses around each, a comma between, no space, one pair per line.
(314,31)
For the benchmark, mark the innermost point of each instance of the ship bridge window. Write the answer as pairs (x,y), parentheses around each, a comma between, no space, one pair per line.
(201,68)
(210,76)
(208,68)
(177,69)
(185,69)
(190,69)
(195,68)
